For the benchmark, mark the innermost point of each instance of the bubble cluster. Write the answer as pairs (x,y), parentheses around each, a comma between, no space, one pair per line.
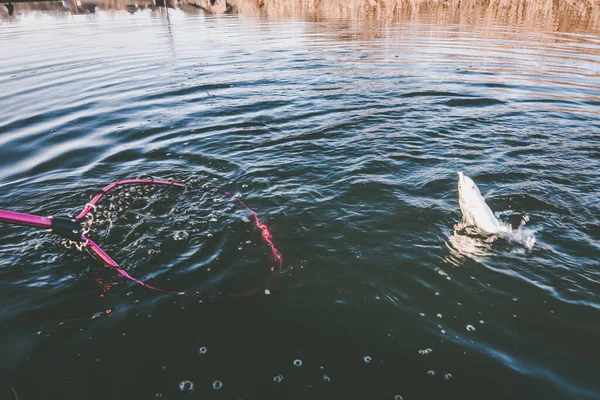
(425,351)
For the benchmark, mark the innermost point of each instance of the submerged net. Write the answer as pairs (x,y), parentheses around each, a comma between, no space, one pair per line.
(121,208)
(103,214)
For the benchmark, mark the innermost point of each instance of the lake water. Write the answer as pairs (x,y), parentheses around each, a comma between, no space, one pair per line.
(345,135)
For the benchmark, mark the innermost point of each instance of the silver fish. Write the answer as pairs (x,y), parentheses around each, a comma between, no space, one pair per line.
(474,209)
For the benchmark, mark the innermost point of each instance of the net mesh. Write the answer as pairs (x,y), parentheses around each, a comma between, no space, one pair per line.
(103,214)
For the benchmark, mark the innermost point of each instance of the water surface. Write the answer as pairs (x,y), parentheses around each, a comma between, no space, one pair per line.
(345,136)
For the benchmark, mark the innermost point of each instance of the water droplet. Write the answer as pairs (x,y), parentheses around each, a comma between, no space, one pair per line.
(186,386)
(203,350)
(448,377)
(431,372)
(297,363)
(278,379)
(367,359)
(326,378)
(217,385)
(470,328)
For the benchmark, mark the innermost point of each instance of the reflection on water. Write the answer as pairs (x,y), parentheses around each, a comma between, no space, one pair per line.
(541,15)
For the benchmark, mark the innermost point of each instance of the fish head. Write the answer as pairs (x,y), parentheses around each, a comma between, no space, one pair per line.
(468,193)
(467,189)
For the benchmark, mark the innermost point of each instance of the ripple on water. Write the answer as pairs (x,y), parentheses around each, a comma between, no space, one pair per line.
(347,147)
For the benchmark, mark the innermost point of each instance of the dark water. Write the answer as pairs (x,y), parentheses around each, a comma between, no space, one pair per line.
(346,139)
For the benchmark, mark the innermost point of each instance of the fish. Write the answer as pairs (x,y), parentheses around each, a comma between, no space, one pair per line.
(475,211)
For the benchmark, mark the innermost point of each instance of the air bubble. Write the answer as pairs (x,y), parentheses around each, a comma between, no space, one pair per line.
(439,315)
(278,378)
(326,378)
(180,235)
(367,359)
(470,328)
(267,292)
(431,372)
(447,377)
(481,321)
(217,385)
(398,397)
(297,363)
(203,350)
(186,386)
(425,351)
